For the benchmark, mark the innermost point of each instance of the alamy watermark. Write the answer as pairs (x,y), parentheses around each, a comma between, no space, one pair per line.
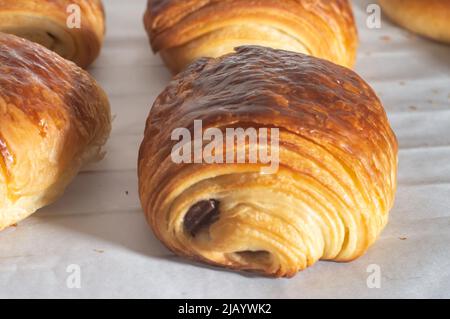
(236,145)
(73,280)
(374,279)
(74,16)
(373,20)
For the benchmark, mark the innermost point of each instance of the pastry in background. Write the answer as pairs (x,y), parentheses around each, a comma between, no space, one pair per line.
(54,118)
(337,163)
(429,18)
(72,28)
(184,30)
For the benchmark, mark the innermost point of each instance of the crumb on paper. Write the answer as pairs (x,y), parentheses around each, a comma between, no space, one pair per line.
(403,238)
(413,108)
(126,192)
(100,251)
(385,38)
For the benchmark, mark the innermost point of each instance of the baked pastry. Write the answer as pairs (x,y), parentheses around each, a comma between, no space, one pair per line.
(53,23)
(184,30)
(337,159)
(54,118)
(429,18)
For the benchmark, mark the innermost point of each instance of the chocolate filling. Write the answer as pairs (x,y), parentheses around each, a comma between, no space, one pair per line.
(202,214)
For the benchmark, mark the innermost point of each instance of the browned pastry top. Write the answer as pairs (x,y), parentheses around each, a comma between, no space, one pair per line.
(46,22)
(165,14)
(45,83)
(60,4)
(276,88)
(50,92)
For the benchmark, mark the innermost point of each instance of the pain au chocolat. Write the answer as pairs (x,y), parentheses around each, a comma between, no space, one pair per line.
(72,28)
(54,118)
(429,18)
(335,181)
(184,30)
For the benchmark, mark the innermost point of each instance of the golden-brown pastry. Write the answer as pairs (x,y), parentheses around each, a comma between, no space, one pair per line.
(336,180)
(430,18)
(184,30)
(53,24)
(54,118)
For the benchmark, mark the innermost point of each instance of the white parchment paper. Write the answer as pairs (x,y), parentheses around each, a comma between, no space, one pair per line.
(98,225)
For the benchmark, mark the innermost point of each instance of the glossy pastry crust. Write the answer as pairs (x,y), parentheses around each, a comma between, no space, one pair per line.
(338,164)
(429,18)
(54,118)
(45,22)
(184,30)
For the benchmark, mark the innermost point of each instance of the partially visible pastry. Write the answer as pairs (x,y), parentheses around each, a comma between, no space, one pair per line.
(326,192)
(54,118)
(184,30)
(429,18)
(53,24)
